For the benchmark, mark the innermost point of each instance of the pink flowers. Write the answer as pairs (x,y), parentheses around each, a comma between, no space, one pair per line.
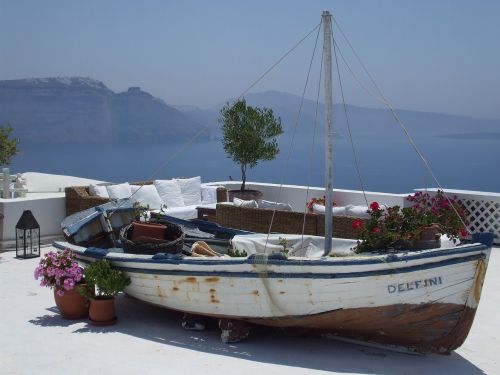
(314,201)
(58,270)
(374,206)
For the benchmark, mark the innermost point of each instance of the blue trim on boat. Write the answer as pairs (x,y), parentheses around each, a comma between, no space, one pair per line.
(391,258)
(303,275)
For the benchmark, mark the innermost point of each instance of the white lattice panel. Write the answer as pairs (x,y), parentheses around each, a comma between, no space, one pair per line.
(483,208)
(484,216)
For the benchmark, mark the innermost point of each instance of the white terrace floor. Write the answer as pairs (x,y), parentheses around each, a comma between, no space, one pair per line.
(34,339)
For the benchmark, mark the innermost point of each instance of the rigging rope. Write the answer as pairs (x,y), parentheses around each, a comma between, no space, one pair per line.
(207,127)
(311,157)
(285,169)
(355,156)
(381,98)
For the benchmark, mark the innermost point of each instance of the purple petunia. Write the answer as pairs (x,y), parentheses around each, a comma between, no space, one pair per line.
(58,270)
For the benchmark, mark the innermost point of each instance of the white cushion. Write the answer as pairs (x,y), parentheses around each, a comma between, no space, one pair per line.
(98,191)
(191,190)
(208,194)
(357,211)
(119,191)
(242,203)
(185,213)
(336,211)
(146,195)
(170,193)
(274,205)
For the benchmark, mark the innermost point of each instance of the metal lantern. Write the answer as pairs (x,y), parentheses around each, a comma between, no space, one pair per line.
(27,236)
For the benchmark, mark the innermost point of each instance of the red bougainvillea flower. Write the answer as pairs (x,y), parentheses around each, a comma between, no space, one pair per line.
(374,206)
(463,232)
(375,230)
(356,224)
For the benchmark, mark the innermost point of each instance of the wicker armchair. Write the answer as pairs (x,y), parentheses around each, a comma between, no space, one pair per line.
(290,222)
(78,198)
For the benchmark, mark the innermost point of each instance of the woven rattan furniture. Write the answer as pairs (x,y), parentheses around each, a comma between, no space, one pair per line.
(78,198)
(291,222)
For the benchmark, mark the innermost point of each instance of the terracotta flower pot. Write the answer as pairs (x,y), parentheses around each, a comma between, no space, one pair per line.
(72,305)
(142,230)
(430,238)
(102,311)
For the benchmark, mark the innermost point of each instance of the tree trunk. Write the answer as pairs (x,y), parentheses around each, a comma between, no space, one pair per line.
(243,176)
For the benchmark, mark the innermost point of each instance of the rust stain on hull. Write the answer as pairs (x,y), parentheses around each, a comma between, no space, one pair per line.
(190,279)
(212,279)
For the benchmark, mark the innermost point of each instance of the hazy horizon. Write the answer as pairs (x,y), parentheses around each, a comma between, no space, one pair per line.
(426,56)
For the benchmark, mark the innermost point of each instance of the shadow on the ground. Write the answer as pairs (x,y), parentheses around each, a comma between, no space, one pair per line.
(267,345)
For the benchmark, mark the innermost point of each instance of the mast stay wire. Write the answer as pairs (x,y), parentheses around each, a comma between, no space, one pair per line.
(296,125)
(205,128)
(354,154)
(381,98)
(311,157)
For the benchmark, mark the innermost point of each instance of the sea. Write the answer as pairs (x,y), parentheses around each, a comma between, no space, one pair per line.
(385,165)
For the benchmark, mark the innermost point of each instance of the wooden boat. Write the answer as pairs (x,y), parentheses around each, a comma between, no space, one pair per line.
(420,300)
(424,301)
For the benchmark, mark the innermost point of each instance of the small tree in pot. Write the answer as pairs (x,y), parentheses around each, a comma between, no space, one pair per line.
(249,136)
(104,282)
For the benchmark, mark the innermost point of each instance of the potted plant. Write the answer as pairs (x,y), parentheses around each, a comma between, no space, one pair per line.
(418,227)
(104,283)
(249,136)
(59,271)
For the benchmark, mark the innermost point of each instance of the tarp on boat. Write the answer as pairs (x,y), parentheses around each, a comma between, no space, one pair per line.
(296,244)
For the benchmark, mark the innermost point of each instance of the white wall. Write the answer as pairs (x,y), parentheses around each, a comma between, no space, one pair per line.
(49,210)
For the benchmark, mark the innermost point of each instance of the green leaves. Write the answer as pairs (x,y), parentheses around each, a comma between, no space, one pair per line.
(249,134)
(8,147)
(105,280)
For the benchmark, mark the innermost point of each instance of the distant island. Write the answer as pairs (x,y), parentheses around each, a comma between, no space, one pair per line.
(84,110)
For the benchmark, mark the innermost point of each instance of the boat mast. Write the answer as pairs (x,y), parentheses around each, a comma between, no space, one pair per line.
(327,56)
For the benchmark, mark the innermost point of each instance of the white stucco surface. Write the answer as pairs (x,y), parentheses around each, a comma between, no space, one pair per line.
(34,339)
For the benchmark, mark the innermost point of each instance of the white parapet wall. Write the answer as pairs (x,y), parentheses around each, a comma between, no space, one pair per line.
(49,210)
(483,207)
(297,196)
(45,199)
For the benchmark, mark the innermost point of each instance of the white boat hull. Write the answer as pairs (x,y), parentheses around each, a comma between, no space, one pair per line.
(423,300)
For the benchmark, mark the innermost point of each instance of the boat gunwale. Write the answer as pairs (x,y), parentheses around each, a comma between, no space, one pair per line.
(294,261)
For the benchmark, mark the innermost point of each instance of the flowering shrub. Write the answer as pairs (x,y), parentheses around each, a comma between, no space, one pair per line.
(400,227)
(314,201)
(59,270)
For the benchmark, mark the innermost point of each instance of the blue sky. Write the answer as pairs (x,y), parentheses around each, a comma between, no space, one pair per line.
(440,56)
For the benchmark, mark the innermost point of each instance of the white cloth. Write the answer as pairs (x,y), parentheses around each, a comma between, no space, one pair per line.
(185,213)
(274,205)
(191,190)
(98,191)
(243,203)
(146,195)
(208,194)
(170,193)
(336,211)
(119,191)
(357,211)
(311,246)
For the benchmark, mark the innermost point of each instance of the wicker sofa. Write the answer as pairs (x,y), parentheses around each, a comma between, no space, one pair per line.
(78,198)
(291,222)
